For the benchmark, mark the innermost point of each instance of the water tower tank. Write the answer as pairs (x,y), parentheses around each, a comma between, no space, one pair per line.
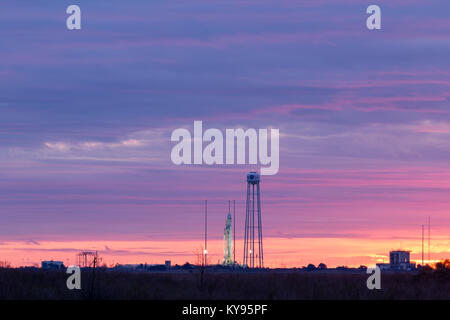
(253,177)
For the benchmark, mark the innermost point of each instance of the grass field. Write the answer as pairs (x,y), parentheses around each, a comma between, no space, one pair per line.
(107,284)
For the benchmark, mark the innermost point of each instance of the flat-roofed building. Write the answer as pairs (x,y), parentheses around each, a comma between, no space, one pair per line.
(399,260)
(52,265)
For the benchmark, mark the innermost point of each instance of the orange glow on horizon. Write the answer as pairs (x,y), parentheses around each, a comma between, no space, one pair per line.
(278,252)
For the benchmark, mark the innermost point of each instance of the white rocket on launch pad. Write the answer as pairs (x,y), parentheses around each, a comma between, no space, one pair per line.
(227,242)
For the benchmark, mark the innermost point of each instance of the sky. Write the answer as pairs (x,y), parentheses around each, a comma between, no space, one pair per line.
(87,115)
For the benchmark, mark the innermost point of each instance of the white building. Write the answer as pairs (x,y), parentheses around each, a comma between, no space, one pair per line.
(399,260)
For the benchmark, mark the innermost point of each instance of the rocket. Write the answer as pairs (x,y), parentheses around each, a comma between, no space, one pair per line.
(227,241)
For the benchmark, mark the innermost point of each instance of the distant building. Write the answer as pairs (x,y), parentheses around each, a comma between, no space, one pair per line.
(52,265)
(145,267)
(399,260)
(129,266)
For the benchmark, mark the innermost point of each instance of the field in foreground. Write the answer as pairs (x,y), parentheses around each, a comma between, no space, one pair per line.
(39,284)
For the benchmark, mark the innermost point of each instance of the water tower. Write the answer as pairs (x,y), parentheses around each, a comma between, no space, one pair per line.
(253,247)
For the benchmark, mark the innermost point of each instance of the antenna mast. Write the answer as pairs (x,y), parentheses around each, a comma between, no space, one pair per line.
(429,239)
(422,245)
(234,232)
(206,233)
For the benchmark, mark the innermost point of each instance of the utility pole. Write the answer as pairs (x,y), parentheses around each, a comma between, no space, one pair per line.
(429,239)
(205,252)
(234,232)
(422,243)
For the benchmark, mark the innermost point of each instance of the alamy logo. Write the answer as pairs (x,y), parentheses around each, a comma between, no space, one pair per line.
(374,281)
(213,153)
(373,22)
(73,22)
(74,280)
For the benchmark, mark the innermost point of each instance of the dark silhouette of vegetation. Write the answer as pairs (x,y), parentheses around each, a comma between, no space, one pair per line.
(92,289)
(362,268)
(311,267)
(33,283)
(322,266)
(440,272)
(443,265)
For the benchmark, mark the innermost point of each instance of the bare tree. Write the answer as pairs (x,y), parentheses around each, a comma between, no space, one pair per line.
(199,254)
(200,261)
